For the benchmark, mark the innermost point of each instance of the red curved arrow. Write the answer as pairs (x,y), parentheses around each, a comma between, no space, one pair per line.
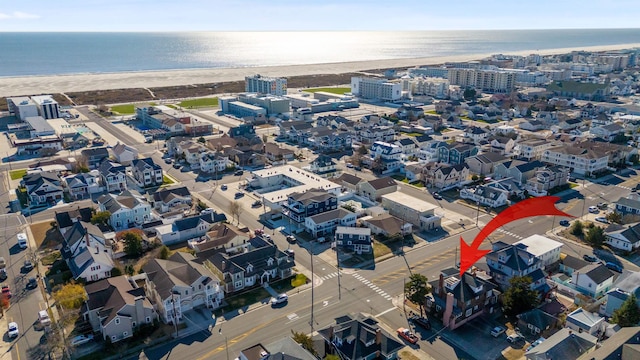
(540,206)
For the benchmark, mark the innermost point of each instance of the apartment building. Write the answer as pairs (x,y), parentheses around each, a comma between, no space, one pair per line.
(378,89)
(47,107)
(265,85)
(492,81)
(532,149)
(581,161)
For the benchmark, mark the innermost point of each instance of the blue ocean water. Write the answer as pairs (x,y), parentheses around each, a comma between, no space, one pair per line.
(68,53)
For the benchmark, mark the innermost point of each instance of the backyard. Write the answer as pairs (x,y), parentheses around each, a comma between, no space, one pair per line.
(18,174)
(202,102)
(333,90)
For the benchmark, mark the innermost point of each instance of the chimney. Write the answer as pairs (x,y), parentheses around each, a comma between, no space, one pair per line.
(86,237)
(378,336)
(331,333)
(441,284)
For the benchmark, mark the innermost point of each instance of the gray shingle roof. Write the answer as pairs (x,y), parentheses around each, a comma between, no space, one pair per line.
(382,183)
(597,272)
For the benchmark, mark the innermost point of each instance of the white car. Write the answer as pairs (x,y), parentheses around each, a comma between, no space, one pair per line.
(81,340)
(602,219)
(279,299)
(593,209)
(13,330)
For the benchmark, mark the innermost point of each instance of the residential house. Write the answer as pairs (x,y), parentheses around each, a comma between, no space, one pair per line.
(87,252)
(410,209)
(512,187)
(443,176)
(581,320)
(353,239)
(300,206)
(374,189)
(358,337)
(286,348)
(276,154)
(408,147)
(43,188)
(456,299)
(348,182)
(565,344)
(221,143)
(387,225)
(66,219)
(570,264)
(147,173)
(169,199)
(518,170)
(211,162)
(476,134)
(593,280)
(456,153)
(113,176)
(502,145)
(325,223)
(225,237)
(532,149)
(127,209)
(188,228)
(384,157)
(124,154)
(180,284)
(261,264)
(547,179)
(623,237)
(567,125)
(532,125)
(628,205)
(537,322)
(292,130)
(484,164)
(579,160)
(369,134)
(608,132)
(191,152)
(486,195)
(545,249)
(430,151)
(95,156)
(413,171)
(82,185)
(506,261)
(622,345)
(626,284)
(324,166)
(116,307)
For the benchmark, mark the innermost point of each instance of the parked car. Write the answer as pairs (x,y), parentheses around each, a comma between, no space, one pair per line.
(564,222)
(267,237)
(350,165)
(13,330)
(291,238)
(28,265)
(258,232)
(43,317)
(602,219)
(207,211)
(603,206)
(357,168)
(81,339)
(6,291)
(176,166)
(590,258)
(535,343)
(437,196)
(282,298)
(593,210)
(422,321)
(238,173)
(407,335)
(290,252)
(514,338)
(32,283)
(239,194)
(613,266)
(256,203)
(168,161)
(223,187)
(497,331)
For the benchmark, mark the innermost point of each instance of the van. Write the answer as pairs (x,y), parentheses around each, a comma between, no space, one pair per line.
(43,317)
(22,240)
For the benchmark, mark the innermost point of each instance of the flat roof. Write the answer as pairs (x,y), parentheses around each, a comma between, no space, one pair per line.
(39,124)
(307,179)
(42,99)
(61,126)
(409,201)
(245,105)
(21,100)
(538,245)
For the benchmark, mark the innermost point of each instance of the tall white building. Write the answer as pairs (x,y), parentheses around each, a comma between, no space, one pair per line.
(47,107)
(372,88)
(265,85)
(436,87)
(494,81)
(22,107)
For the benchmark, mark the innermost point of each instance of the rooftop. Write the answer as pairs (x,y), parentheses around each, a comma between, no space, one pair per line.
(410,201)
(539,245)
(306,179)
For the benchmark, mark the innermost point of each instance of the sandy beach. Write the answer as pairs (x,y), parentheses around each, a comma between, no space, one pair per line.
(30,85)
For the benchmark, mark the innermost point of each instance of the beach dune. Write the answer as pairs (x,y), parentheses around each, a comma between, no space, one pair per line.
(30,85)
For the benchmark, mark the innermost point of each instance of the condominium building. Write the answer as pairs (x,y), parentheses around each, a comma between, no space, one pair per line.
(579,160)
(378,89)
(265,85)
(494,81)
(47,107)
(436,87)
(532,149)
(22,107)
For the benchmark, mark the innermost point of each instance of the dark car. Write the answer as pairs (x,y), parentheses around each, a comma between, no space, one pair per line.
(223,187)
(238,173)
(239,194)
(32,284)
(590,258)
(437,196)
(28,265)
(176,166)
(256,203)
(613,266)
(290,252)
(168,161)
(421,321)
(564,222)
(357,168)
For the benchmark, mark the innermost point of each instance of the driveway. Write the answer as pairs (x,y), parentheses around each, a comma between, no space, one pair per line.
(475,338)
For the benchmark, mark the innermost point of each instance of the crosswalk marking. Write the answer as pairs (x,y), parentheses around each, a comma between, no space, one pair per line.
(373,287)
(617,185)
(510,234)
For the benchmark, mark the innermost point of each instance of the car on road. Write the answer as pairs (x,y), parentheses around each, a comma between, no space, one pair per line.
(350,165)
(291,238)
(593,210)
(256,203)
(32,283)
(223,187)
(603,206)
(535,343)
(28,265)
(176,166)
(239,194)
(498,330)
(13,330)
(602,219)
(437,196)
(6,291)
(589,258)
(407,335)
(514,338)
(421,321)
(168,161)
(81,339)
(357,168)
(185,168)
(280,299)
(238,173)
(613,266)
(43,317)
(564,222)
(290,252)
(207,211)
(266,237)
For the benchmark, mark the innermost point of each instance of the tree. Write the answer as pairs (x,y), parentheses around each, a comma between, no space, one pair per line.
(377,164)
(235,209)
(628,314)
(474,177)
(356,159)
(164,253)
(101,217)
(116,271)
(362,150)
(577,229)
(70,296)
(304,340)
(201,140)
(129,270)
(614,217)
(332,357)
(132,243)
(416,289)
(469,94)
(595,236)
(81,165)
(519,297)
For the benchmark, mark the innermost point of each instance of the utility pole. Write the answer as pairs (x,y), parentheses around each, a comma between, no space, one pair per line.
(312,286)
(226,342)
(477,213)
(338,265)
(584,201)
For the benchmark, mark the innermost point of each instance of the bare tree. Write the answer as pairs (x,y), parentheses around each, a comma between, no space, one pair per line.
(235,209)
(356,159)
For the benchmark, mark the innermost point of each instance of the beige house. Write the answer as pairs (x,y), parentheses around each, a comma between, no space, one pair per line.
(418,212)
(116,307)
(444,176)
(348,182)
(387,225)
(374,189)
(484,164)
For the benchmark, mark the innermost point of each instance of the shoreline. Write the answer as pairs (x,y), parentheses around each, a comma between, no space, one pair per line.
(40,84)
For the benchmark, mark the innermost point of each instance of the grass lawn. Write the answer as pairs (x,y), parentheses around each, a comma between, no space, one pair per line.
(45,236)
(417,184)
(299,280)
(333,90)
(166,180)
(445,130)
(18,174)
(431,112)
(203,102)
(125,109)
(172,106)
(380,249)
(414,134)
(50,258)
(407,355)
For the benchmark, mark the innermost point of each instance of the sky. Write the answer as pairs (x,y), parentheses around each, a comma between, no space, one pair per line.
(314,15)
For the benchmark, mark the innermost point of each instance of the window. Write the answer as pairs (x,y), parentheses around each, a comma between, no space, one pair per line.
(468,313)
(113,338)
(148,319)
(125,334)
(133,324)
(117,321)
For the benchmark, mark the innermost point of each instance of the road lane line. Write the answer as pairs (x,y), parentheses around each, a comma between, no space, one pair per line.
(386,311)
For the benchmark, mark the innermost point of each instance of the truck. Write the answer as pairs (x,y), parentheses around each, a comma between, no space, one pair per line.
(407,335)
(22,241)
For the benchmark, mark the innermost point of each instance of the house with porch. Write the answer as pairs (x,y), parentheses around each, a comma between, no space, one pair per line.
(387,225)
(127,209)
(301,205)
(124,154)
(486,195)
(506,261)
(147,173)
(374,189)
(354,239)
(43,188)
(188,228)
(485,163)
(82,185)
(444,176)
(113,176)
(324,167)
(95,156)
(325,224)
(87,252)
(623,237)
(170,199)
(456,153)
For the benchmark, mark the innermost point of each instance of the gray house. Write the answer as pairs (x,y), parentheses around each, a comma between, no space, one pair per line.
(116,307)
(354,239)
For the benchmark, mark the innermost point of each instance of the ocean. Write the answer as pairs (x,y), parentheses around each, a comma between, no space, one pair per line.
(80,53)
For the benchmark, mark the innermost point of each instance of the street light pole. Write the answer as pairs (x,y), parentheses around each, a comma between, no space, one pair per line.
(584,201)
(338,265)
(312,283)
(477,213)
(226,342)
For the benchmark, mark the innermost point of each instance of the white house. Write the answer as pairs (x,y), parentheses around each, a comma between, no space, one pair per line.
(486,195)
(324,166)
(87,253)
(113,176)
(82,185)
(623,237)
(542,247)
(188,228)
(127,209)
(594,280)
(213,162)
(146,172)
(390,154)
(124,154)
(325,223)
(581,320)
